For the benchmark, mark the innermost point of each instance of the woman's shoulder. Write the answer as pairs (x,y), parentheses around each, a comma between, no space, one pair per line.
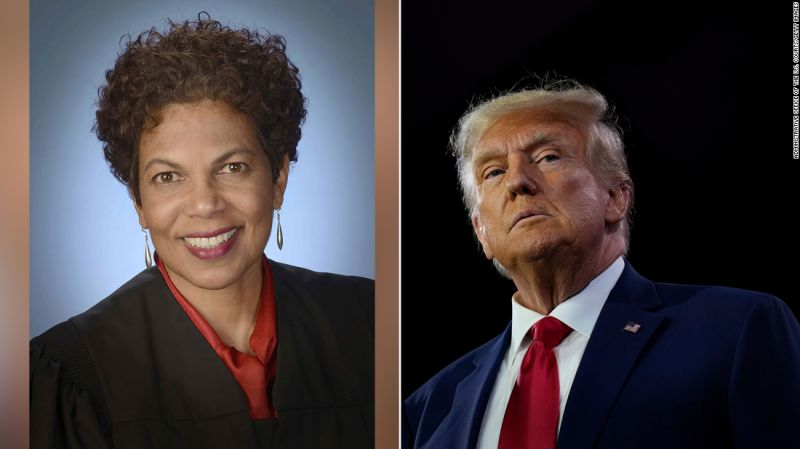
(135,297)
(143,285)
(61,339)
(305,294)
(60,353)
(323,282)
(63,372)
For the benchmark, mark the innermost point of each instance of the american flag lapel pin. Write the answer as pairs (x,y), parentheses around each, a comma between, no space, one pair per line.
(632,327)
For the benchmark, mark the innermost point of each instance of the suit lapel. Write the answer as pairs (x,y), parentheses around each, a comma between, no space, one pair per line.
(460,428)
(609,357)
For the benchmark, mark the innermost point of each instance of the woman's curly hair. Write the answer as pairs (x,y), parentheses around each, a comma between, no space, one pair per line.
(193,61)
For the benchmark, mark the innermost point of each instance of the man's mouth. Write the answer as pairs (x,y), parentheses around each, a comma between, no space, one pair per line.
(524,216)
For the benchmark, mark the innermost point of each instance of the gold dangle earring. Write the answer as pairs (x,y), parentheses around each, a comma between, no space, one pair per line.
(148,259)
(280,231)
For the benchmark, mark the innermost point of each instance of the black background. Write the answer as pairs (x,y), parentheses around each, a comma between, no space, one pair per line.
(704,98)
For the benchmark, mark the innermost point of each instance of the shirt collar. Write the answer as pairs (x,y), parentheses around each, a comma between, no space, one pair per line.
(579,312)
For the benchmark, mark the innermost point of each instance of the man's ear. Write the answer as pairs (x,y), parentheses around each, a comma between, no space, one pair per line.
(279,186)
(619,200)
(480,232)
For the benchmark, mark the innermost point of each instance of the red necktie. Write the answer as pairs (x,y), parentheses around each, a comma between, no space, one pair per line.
(531,419)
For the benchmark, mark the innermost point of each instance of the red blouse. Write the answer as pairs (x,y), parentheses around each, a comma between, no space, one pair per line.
(253,372)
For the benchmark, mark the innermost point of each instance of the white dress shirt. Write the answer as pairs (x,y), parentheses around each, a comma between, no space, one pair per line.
(579,312)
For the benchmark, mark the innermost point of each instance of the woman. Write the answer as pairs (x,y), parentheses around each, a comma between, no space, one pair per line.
(215,345)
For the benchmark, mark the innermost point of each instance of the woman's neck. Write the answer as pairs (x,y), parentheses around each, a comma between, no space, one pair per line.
(231,310)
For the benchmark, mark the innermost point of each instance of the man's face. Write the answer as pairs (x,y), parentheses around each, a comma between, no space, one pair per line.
(537,199)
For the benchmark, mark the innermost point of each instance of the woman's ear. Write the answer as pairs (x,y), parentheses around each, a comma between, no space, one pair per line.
(138,207)
(279,186)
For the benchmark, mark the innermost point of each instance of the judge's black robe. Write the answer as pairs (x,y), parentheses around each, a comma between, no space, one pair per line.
(134,372)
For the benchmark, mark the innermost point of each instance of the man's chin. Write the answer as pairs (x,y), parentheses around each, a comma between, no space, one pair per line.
(531,256)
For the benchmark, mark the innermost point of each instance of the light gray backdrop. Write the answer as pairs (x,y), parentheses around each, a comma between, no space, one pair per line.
(85,237)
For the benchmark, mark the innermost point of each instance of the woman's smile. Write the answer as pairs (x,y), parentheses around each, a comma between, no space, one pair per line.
(215,245)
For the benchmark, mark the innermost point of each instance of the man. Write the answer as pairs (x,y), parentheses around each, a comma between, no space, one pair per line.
(595,355)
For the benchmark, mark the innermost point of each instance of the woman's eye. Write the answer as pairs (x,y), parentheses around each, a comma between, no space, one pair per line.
(233,167)
(167,177)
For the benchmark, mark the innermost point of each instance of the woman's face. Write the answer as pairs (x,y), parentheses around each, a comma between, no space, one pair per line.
(207,194)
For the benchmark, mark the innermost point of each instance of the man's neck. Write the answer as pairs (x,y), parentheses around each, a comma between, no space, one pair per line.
(545,283)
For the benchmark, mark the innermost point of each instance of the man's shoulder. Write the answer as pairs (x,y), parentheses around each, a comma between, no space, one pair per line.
(455,391)
(708,291)
(446,380)
(690,300)
(718,320)
(728,301)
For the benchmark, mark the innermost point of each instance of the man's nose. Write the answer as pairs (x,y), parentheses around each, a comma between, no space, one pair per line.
(520,175)
(204,199)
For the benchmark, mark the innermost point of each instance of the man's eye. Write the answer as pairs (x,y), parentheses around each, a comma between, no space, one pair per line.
(549,158)
(166,177)
(233,167)
(493,173)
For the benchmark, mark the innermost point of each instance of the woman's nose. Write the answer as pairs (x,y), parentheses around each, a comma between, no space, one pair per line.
(204,199)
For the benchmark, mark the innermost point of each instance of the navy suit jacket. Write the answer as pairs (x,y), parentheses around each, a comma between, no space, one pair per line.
(710,367)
